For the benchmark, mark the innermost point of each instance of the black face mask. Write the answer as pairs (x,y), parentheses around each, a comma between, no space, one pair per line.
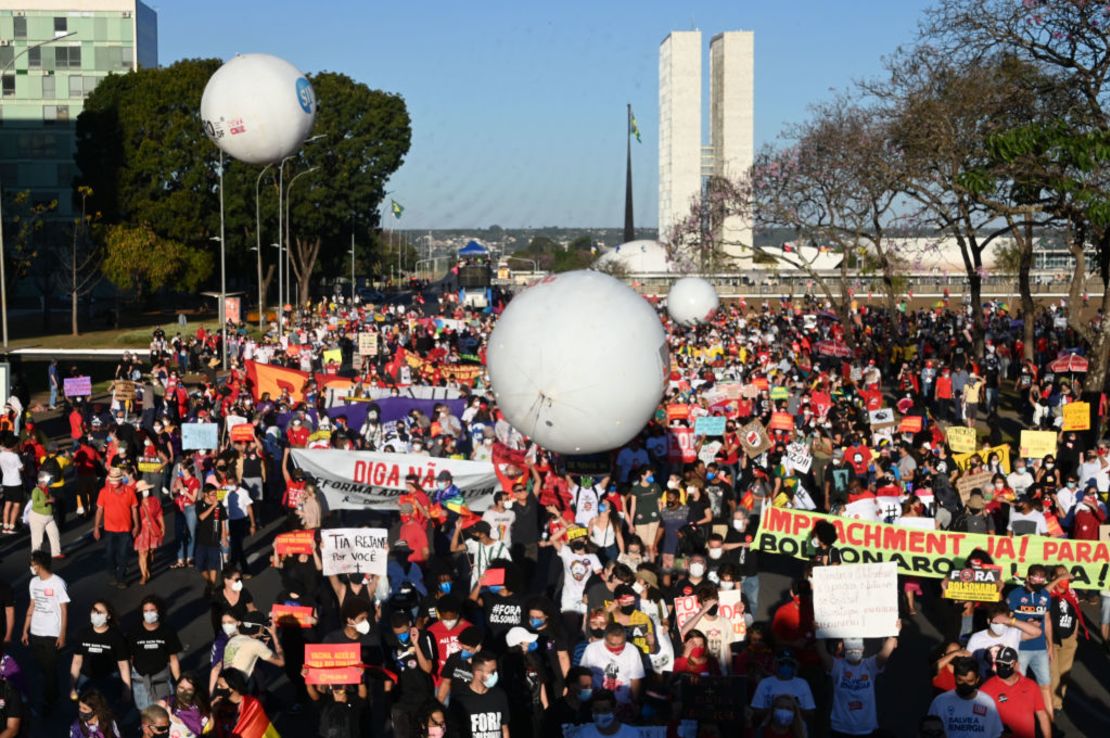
(628,609)
(221,693)
(712,612)
(1004,671)
(597,632)
(85,716)
(966,690)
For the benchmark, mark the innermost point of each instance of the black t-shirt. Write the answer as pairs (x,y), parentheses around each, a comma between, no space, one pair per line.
(414,685)
(151,649)
(684,587)
(526,527)
(101,652)
(6,601)
(744,558)
(239,609)
(370,644)
(11,703)
(502,613)
(208,529)
(458,671)
(696,509)
(476,715)
(1064,619)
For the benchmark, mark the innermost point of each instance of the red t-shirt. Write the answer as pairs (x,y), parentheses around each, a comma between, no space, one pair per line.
(84,460)
(945,680)
(76,426)
(117,501)
(1017,704)
(858,466)
(413,533)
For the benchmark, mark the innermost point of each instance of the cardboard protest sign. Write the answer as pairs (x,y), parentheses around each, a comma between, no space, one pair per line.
(199,436)
(333,663)
(685,608)
(368,344)
(1038,444)
(289,614)
(77,386)
(799,457)
(354,550)
(710,425)
(781,422)
(968,482)
(754,439)
(974,584)
(295,542)
(123,390)
(1077,416)
(855,600)
(333,356)
(242,433)
(911,424)
(731,608)
(961,439)
(881,418)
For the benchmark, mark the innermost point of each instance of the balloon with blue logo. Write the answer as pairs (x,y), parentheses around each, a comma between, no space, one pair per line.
(258,108)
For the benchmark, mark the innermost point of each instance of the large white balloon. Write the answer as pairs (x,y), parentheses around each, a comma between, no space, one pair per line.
(578,362)
(258,108)
(692,300)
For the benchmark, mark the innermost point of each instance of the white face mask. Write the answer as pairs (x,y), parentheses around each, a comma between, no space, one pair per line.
(697,569)
(363,626)
(727,585)
(999,628)
(98,619)
(150,617)
(638,587)
(34,572)
(146,493)
(230,629)
(739,525)
(716,553)
(237,585)
(449,624)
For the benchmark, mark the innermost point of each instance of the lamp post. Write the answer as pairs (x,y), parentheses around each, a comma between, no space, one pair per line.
(3,256)
(223,272)
(281,296)
(288,199)
(258,248)
(352,267)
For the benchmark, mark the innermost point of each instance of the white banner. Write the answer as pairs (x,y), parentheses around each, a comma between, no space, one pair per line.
(856,600)
(354,550)
(366,480)
(339,395)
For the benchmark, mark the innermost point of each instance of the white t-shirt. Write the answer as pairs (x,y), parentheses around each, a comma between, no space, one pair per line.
(1019,481)
(577,568)
(1094,470)
(719,638)
(236,502)
(853,710)
(984,646)
(11,466)
(977,716)
(1035,517)
(771,687)
(1065,499)
(480,556)
(585,501)
(614,671)
(500,524)
(47,597)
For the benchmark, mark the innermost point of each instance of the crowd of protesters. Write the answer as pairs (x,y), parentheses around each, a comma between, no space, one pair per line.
(551,611)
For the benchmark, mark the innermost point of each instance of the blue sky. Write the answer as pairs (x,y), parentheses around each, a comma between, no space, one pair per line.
(518,107)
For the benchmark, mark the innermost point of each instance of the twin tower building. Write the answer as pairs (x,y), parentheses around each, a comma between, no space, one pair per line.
(685,163)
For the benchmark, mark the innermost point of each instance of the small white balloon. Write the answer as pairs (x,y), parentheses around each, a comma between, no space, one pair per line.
(692,300)
(578,362)
(258,108)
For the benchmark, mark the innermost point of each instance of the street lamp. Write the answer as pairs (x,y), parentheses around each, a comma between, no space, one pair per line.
(3,257)
(288,199)
(352,252)
(223,272)
(281,295)
(258,248)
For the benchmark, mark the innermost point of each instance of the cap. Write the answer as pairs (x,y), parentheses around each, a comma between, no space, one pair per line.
(444,476)
(853,644)
(575,532)
(975,501)
(786,654)
(518,635)
(1006,655)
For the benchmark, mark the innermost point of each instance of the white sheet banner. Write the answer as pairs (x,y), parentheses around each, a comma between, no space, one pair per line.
(365,480)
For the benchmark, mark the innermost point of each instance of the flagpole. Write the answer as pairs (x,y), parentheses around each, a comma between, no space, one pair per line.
(629,229)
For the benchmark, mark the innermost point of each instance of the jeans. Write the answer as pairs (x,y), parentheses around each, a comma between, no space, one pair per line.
(53,395)
(749,587)
(118,551)
(992,401)
(185,531)
(1037,662)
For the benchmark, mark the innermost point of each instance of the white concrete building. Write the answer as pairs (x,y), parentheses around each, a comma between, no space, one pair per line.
(731,120)
(679,126)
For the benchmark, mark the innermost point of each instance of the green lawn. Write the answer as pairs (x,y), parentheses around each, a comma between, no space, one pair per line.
(130,337)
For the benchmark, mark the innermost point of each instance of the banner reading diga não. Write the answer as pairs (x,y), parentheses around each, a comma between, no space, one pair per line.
(929,553)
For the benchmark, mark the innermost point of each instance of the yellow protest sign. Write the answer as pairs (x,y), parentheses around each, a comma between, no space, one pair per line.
(1077,416)
(964,460)
(333,355)
(961,439)
(1038,444)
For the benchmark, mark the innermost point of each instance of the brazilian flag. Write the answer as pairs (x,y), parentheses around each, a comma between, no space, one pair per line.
(633,129)
(398,209)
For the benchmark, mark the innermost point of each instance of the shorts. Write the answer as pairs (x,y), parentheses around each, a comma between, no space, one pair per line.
(1037,662)
(13,494)
(207,558)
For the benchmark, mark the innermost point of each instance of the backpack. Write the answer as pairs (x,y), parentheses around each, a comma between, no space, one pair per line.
(51,466)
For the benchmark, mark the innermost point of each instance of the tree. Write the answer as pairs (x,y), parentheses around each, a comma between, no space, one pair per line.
(138,260)
(79,264)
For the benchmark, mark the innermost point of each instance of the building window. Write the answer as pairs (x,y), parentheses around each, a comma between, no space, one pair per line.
(20,26)
(76,86)
(67,57)
(55,113)
(125,54)
(7,54)
(9,85)
(60,25)
(49,87)
(34,57)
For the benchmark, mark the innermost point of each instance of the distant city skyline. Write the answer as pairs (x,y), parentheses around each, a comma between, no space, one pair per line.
(519,111)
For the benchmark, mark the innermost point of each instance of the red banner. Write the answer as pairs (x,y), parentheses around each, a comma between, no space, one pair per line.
(281,615)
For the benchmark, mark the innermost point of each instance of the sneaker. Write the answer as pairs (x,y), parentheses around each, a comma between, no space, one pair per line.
(81,511)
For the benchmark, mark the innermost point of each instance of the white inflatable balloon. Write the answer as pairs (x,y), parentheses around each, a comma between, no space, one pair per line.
(578,362)
(258,108)
(692,300)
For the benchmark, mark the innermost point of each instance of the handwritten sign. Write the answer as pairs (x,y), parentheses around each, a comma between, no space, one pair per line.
(709,425)
(333,356)
(290,614)
(731,607)
(1077,416)
(685,608)
(974,584)
(961,439)
(798,457)
(199,436)
(295,542)
(368,344)
(856,600)
(333,663)
(77,386)
(123,391)
(969,482)
(354,550)
(1037,444)
(749,391)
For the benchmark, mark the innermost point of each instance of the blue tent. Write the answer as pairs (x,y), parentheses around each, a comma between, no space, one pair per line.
(473,249)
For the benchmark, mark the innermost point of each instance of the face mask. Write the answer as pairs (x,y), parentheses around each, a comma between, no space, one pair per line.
(184,695)
(445,587)
(783,716)
(739,525)
(99,619)
(728,584)
(603,719)
(230,629)
(650,479)
(602,508)
(697,569)
(403,636)
(614,649)
(363,627)
(628,609)
(86,715)
(716,553)
(965,690)
(710,476)
(436,731)
(585,694)
(597,632)
(532,646)
(854,656)
(150,617)
(999,629)
(712,611)
(1004,671)
(237,585)
(495,588)
(1049,465)
(536,623)
(490,681)
(34,572)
